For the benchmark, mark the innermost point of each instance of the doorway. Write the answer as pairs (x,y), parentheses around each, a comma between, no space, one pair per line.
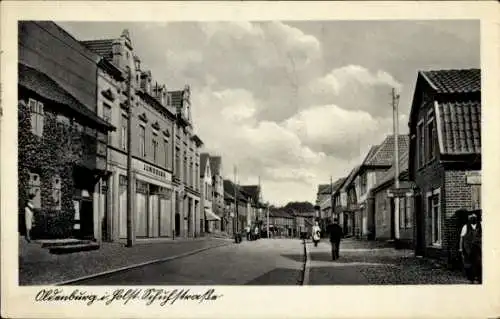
(419,226)
(393,218)
(177,224)
(86,219)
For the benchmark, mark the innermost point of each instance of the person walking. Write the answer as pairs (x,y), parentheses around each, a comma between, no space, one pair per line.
(335,233)
(248,232)
(316,233)
(470,247)
(28,217)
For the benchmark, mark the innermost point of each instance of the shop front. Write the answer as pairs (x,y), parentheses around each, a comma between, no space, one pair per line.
(152,201)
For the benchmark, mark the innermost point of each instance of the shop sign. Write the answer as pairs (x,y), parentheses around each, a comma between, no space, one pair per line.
(473,178)
(150,170)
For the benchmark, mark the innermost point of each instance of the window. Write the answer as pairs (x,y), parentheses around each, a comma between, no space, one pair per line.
(177,162)
(142,140)
(405,214)
(363,182)
(34,189)
(106,112)
(56,192)
(36,110)
(184,168)
(166,149)
(155,147)
(434,211)
(123,132)
(431,136)
(421,143)
(476,196)
(197,174)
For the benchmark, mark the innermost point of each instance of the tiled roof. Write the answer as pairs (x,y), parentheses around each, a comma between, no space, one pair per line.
(204,157)
(103,48)
(253,191)
(460,126)
(350,177)
(403,167)
(454,81)
(45,86)
(385,152)
(215,165)
(371,153)
(328,189)
(229,188)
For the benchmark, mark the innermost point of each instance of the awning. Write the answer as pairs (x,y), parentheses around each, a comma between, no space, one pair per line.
(210,214)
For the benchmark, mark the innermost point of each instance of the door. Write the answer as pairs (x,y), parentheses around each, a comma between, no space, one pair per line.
(177,224)
(165,210)
(141,220)
(154,216)
(122,210)
(419,226)
(393,218)
(86,219)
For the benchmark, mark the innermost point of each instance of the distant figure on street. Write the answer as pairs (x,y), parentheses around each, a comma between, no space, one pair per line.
(470,247)
(256,232)
(335,233)
(28,217)
(316,233)
(248,232)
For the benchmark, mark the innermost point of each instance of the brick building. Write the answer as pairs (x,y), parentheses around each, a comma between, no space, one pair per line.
(61,140)
(444,156)
(394,215)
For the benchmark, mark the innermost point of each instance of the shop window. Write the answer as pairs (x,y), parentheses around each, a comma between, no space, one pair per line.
(56,192)
(37,112)
(34,189)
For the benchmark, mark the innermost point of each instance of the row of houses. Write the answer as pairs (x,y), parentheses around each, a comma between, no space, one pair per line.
(87,110)
(439,172)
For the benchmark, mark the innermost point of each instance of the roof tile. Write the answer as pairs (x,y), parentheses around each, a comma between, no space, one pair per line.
(383,156)
(454,81)
(460,127)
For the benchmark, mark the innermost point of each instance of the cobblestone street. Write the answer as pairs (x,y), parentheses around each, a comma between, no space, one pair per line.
(261,262)
(368,263)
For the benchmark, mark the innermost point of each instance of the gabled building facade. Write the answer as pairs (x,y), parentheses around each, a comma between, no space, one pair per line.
(61,140)
(209,220)
(444,157)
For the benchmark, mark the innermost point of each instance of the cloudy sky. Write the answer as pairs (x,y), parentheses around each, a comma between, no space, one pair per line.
(294,102)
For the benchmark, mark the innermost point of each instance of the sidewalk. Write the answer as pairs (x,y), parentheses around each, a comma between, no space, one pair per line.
(374,263)
(38,267)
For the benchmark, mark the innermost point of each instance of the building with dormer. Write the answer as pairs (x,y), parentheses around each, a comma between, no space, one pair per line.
(165,192)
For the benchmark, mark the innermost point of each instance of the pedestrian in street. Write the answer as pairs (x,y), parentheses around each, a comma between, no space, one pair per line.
(28,217)
(256,232)
(316,233)
(248,232)
(335,233)
(470,247)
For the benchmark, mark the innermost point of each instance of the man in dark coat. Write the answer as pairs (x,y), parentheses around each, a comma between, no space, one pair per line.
(335,233)
(471,248)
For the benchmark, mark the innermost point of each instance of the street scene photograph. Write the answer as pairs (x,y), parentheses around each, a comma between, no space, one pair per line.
(249,153)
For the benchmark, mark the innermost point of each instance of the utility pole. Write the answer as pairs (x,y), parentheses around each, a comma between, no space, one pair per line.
(331,197)
(395,103)
(130,219)
(235,203)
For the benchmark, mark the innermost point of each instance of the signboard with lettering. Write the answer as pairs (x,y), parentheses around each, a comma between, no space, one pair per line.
(151,170)
(473,178)
(400,192)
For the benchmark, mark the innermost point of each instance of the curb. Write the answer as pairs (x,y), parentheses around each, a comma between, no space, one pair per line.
(155,261)
(307,265)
